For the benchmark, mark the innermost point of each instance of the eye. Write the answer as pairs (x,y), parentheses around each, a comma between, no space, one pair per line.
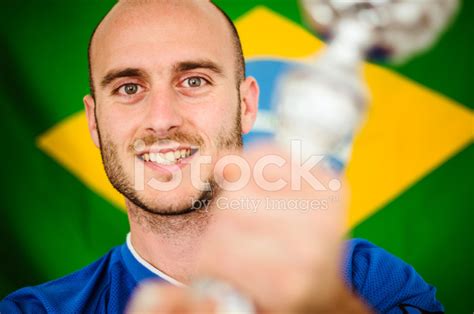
(129,89)
(194,81)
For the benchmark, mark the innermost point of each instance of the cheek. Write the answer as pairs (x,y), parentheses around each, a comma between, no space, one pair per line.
(212,117)
(119,126)
(217,111)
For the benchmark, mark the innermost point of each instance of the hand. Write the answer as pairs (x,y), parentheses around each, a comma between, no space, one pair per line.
(285,259)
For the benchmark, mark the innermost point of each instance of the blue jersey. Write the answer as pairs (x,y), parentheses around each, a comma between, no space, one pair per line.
(383,281)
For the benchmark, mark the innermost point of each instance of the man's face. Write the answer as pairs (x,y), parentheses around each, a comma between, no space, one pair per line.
(166,95)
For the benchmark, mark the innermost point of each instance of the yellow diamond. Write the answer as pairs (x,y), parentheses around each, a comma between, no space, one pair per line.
(410,129)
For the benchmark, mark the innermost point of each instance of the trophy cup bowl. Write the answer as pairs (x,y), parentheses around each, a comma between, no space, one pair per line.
(324,102)
(400,28)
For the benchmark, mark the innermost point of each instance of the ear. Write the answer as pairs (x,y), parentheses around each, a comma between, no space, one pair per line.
(249,92)
(89,104)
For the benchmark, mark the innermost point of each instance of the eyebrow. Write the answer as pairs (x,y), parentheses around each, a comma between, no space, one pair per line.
(178,67)
(115,74)
(198,64)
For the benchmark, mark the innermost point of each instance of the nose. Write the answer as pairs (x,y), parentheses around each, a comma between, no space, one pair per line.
(163,113)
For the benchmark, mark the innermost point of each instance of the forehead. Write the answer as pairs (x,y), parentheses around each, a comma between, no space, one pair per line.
(157,34)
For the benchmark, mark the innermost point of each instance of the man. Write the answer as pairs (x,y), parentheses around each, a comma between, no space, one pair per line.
(169,97)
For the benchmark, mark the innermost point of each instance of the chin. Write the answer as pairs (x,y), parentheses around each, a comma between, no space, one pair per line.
(175,201)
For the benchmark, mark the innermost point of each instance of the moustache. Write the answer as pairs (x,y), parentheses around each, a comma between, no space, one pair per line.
(141,143)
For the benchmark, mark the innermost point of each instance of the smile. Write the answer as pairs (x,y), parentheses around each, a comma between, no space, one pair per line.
(168,156)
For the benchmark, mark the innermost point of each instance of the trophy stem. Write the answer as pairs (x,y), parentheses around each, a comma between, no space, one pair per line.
(349,47)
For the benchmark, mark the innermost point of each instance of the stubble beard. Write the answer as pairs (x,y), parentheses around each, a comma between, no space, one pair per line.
(140,209)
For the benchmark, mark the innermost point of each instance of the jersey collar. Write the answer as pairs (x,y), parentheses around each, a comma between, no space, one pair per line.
(141,269)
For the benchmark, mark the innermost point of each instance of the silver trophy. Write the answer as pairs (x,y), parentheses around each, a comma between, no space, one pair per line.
(323,103)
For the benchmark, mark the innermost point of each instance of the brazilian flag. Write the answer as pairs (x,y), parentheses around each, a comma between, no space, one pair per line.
(411,173)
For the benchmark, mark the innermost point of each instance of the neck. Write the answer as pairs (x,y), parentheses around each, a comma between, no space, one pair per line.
(169,243)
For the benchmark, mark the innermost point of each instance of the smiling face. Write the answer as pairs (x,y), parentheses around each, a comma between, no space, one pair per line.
(166,95)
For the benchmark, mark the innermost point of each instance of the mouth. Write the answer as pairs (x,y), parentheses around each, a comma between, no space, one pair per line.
(168,156)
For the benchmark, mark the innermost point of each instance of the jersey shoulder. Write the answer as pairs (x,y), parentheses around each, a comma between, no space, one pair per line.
(104,283)
(385,282)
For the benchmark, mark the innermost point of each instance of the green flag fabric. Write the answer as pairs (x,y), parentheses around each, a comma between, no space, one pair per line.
(57,216)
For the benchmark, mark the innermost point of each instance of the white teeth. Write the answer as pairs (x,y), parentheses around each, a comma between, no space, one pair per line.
(170,156)
(160,158)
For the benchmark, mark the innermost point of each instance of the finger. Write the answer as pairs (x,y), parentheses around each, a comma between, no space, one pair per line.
(152,297)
